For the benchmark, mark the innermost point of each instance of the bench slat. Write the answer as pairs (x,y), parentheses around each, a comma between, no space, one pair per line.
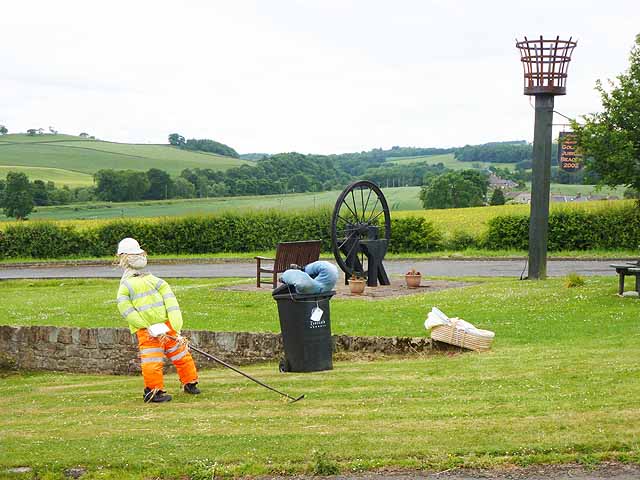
(287,253)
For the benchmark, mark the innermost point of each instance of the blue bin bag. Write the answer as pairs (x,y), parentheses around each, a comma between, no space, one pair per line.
(302,282)
(324,273)
(318,277)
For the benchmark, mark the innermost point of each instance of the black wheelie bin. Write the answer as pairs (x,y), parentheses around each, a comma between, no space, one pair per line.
(306,331)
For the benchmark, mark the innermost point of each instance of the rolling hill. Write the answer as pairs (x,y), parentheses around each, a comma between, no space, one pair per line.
(70,160)
(447,159)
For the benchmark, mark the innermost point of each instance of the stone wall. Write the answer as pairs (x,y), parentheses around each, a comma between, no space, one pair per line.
(115,350)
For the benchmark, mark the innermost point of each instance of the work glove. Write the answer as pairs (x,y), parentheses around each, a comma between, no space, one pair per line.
(158,330)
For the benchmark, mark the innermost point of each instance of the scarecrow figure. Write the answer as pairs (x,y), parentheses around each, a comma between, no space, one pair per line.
(151,309)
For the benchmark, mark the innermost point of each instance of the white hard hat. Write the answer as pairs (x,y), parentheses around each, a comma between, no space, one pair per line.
(129,246)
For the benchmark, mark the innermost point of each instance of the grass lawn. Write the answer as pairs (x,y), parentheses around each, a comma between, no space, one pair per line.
(561,384)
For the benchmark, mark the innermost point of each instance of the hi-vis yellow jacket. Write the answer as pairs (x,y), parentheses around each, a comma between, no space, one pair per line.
(146,299)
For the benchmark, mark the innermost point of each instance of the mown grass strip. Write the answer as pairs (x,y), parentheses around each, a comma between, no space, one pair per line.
(467,410)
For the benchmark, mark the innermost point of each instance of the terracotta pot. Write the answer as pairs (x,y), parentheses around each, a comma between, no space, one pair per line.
(356,287)
(413,281)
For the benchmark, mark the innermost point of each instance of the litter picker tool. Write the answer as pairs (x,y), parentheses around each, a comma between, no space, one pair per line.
(231,367)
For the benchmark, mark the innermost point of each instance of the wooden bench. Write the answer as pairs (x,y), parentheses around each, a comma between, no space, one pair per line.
(287,253)
(631,269)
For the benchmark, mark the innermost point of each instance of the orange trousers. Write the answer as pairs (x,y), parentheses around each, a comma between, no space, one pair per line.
(152,353)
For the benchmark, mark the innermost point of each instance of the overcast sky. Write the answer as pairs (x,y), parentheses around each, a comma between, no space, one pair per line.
(321,76)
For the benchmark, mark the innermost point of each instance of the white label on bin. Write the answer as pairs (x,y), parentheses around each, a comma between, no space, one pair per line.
(316,314)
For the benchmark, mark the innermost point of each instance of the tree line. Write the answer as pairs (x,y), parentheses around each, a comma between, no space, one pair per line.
(495,152)
(18,195)
(202,145)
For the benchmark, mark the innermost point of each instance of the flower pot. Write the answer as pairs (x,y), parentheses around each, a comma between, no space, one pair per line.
(413,281)
(356,287)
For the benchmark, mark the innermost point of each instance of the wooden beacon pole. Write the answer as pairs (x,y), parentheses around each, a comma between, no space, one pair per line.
(540,188)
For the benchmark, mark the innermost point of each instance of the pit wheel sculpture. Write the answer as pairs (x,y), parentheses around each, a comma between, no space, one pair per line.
(361,227)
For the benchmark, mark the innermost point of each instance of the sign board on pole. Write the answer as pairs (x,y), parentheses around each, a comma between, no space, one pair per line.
(568,159)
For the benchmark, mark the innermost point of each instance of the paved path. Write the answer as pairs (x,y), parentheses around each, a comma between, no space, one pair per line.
(439,268)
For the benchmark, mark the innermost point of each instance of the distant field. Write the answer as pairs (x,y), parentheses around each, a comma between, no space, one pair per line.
(75,154)
(57,175)
(448,160)
(401,198)
(474,220)
(583,190)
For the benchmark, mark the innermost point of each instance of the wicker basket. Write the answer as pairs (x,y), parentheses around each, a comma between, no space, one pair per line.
(455,336)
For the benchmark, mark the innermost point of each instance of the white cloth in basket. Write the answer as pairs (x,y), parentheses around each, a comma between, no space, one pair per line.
(437,317)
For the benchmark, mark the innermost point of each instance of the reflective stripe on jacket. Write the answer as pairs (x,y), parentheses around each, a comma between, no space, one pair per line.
(146,299)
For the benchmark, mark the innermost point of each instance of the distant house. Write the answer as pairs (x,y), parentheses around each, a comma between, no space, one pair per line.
(558,198)
(497,182)
(602,197)
(525,197)
(519,197)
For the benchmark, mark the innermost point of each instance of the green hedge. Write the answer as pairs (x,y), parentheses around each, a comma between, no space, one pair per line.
(414,234)
(612,228)
(227,232)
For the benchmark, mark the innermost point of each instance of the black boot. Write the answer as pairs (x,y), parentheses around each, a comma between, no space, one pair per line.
(191,388)
(155,396)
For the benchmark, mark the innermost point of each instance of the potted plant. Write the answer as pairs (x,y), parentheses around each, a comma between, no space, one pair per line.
(356,284)
(413,278)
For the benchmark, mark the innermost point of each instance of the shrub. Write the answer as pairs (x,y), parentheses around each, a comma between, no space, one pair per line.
(506,232)
(322,465)
(572,230)
(573,280)
(461,240)
(414,234)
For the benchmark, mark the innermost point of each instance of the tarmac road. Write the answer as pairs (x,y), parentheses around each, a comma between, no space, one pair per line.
(429,268)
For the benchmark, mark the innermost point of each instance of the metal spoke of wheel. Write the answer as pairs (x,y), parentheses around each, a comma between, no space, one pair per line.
(379,213)
(367,203)
(347,205)
(351,249)
(344,220)
(373,209)
(345,232)
(346,240)
(355,207)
